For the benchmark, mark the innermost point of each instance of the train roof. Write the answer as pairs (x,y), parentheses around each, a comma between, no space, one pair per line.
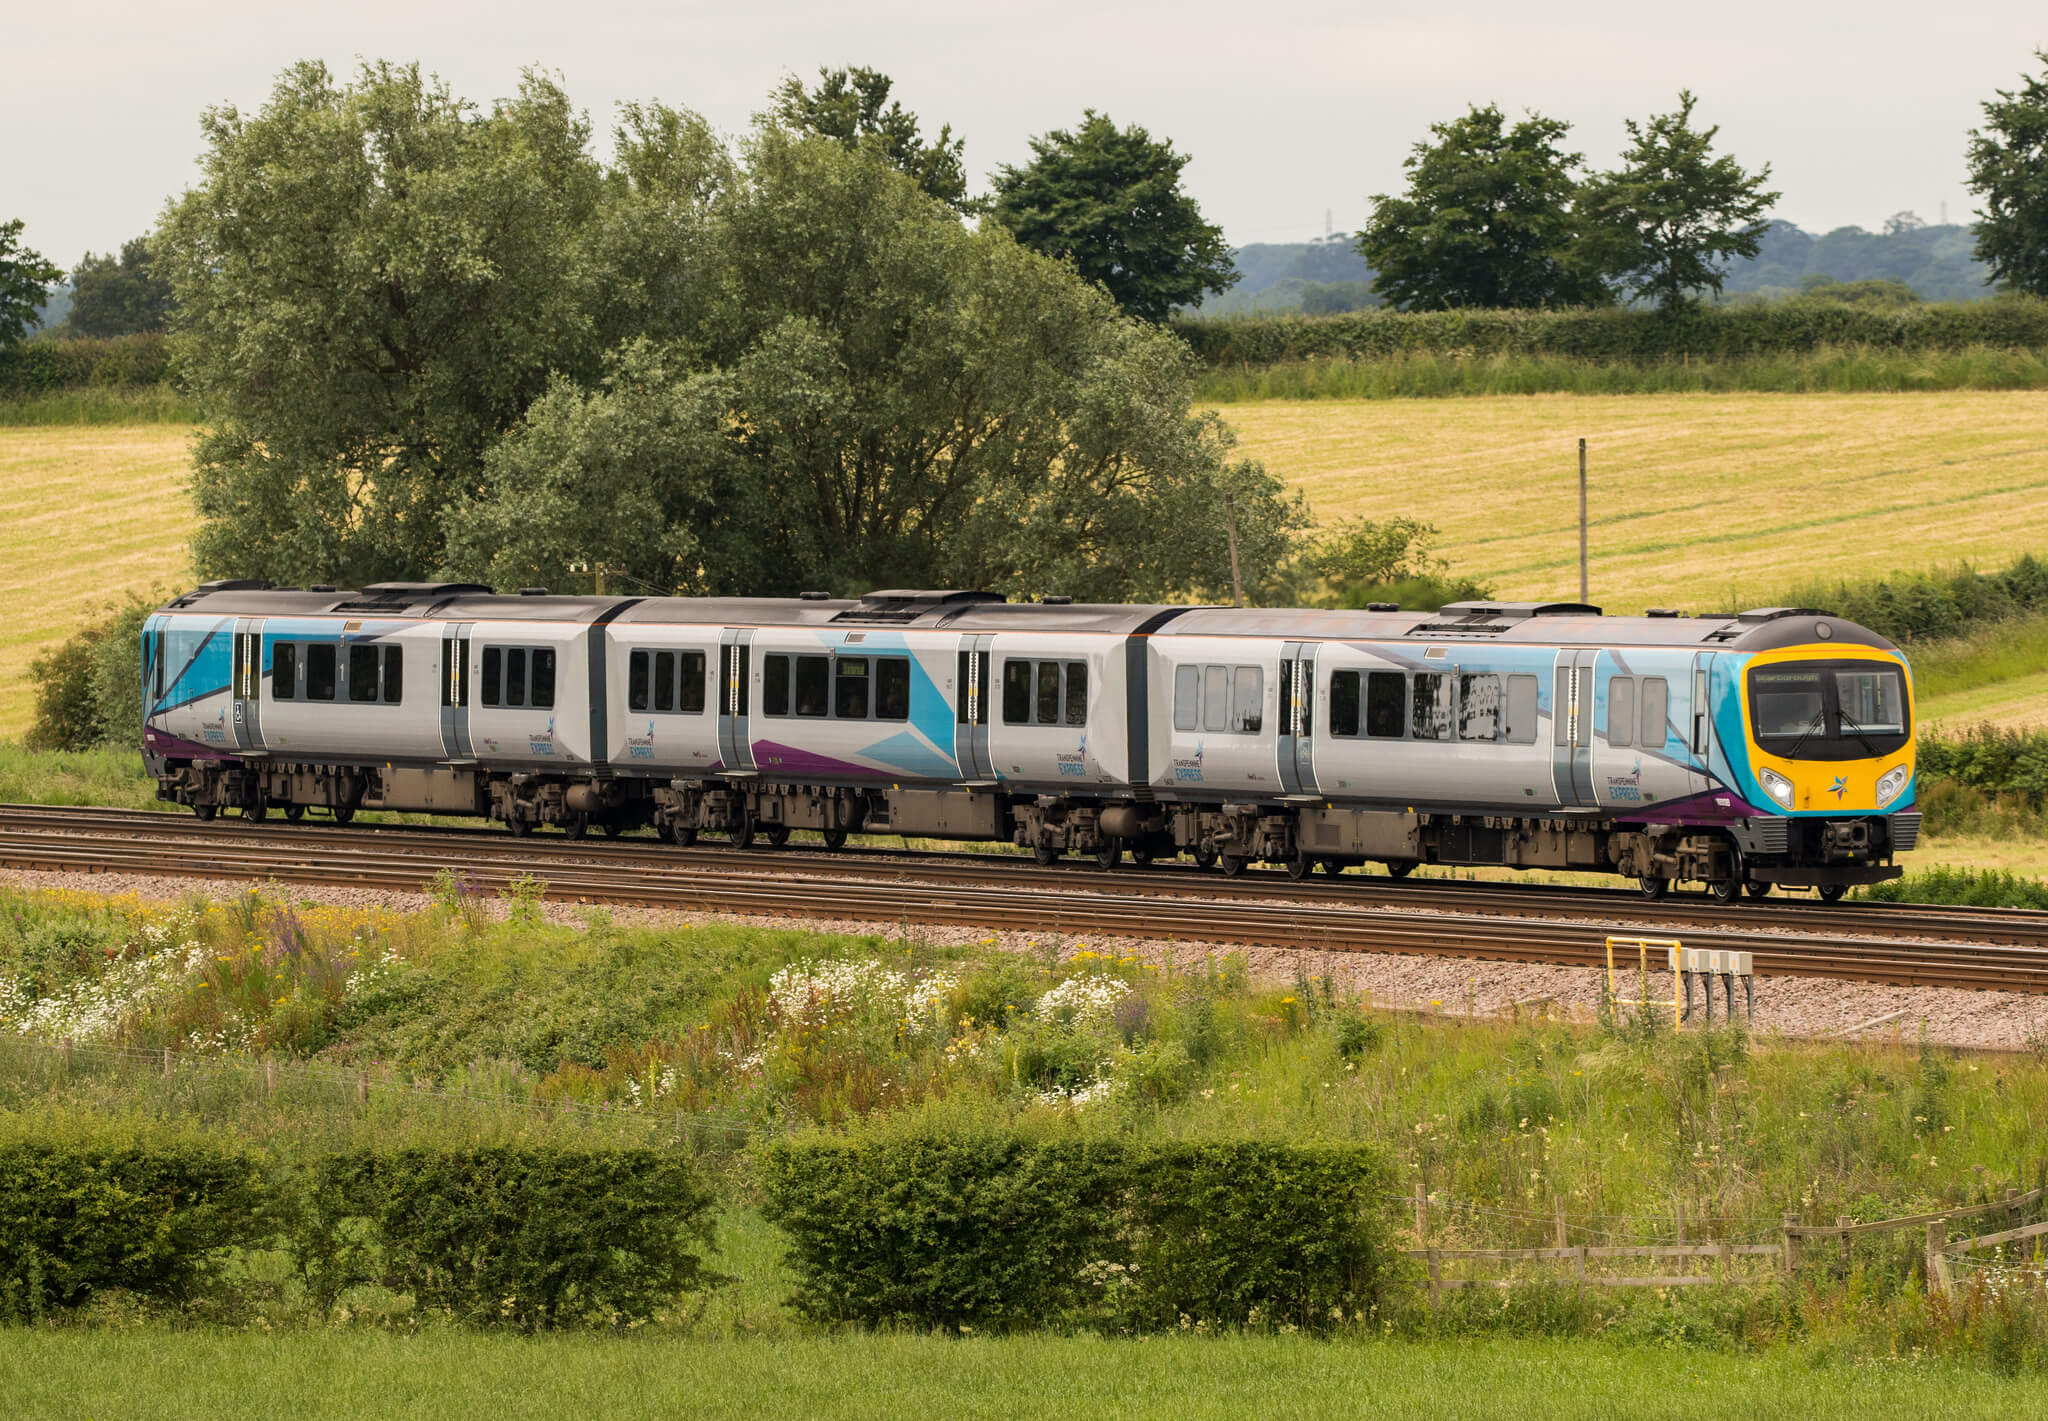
(1543,623)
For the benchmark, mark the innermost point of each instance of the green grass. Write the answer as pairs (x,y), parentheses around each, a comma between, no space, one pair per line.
(1997,675)
(445,1376)
(1832,370)
(108,775)
(152,404)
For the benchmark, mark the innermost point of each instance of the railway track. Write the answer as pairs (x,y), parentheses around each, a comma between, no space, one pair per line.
(1876,942)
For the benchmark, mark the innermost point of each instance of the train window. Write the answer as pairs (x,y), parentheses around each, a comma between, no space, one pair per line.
(494,662)
(1431,703)
(362,672)
(320,671)
(159,659)
(1344,703)
(1386,705)
(1656,707)
(813,685)
(394,674)
(1016,693)
(1521,726)
(1187,697)
(1479,707)
(775,685)
(892,688)
(1621,710)
(284,671)
(544,678)
(691,700)
(1215,697)
(1871,702)
(636,681)
(664,680)
(1077,693)
(850,688)
(515,676)
(1246,702)
(1048,701)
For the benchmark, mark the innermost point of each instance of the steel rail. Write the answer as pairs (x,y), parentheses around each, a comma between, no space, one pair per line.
(365,862)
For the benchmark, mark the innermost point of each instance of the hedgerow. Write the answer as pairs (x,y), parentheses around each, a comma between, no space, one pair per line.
(130,361)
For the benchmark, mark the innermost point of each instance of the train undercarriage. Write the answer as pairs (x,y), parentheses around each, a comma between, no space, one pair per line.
(1303,835)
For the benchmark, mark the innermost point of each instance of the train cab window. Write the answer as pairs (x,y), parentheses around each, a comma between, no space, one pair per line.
(1386,705)
(515,676)
(1621,711)
(1870,702)
(1344,703)
(892,688)
(1076,696)
(544,678)
(664,680)
(393,686)
(1479,707)
(284,670)
(1656,708)
(1016,693)
(494,670)
(1521,719)
(850,688)
(690,697)
(636,681)
(321,668)
(1431,717)
(1248,691)
(1187,697)
(1048,699)
(775,685)
(813,686)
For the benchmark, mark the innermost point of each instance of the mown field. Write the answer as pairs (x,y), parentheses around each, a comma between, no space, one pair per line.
(97,513)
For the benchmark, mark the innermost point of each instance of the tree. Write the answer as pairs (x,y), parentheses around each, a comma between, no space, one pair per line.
(891,399)
(25,280)
(116,296)
(1487,220)
(1109,200)
(1665,222)
(2009,171)
(847,107)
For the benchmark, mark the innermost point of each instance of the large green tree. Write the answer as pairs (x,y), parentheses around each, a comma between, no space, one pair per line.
(1110,201)
(1487,220)
(2009,172)
(892,400)
(25,280)
(853,107)
(1665,223)
(116,295)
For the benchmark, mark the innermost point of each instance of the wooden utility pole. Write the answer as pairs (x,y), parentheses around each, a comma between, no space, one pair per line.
(1584,593)
(1230,519)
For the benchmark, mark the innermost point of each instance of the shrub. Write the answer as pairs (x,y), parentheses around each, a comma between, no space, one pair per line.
(530,1237)
(78,1219)
(56,363)
(89,688)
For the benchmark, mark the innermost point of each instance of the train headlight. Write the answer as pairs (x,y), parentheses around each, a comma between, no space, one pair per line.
(1776,786)
(1892,785)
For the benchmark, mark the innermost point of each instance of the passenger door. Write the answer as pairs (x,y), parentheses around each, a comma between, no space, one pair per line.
(1571,724)
(1701,722)
(245,684)
(735,741)
(455,676)
(971,708)
(1297,717)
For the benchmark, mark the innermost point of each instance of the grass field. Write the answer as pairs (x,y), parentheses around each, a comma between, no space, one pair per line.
(449,1376)
(99,512)
(1697,500)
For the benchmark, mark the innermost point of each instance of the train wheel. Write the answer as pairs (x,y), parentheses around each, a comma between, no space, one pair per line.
(1333,867)
(1299,865)
(576,825)
(255,812)
(1725,890)
(1400,868)
(835,839)
(293,813)
(1109,854)
(777,835)
(1233,865)
(344,814)
(1141,855)
(742,834)
(1653,887)
(1044,855)
(203,812)
(614,827)
(1832,892)
(518,828)
(680,834)
(1205,855)
(1756,888)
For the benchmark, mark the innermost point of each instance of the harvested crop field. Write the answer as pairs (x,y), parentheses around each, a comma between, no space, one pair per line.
(1697,500)
(99,512)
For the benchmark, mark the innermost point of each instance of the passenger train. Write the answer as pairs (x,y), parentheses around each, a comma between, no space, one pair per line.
(1770,748)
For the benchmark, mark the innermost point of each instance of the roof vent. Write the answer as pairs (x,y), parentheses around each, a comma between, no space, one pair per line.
(903,606)
(1663,612)
(1056,600)
(1772,614)
(237,584)
(1383,606)
(406,591)
(814,597)
(533,592)
(322,587)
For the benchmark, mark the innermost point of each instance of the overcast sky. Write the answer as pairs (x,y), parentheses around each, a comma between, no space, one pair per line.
(1293,113)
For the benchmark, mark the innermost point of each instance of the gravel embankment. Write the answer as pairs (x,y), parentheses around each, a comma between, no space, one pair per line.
(1451,986)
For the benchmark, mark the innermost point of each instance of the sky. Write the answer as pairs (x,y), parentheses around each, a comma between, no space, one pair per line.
(1294,115)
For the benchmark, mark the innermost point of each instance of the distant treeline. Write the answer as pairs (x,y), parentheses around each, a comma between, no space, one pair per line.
(59,363)
(1619,334)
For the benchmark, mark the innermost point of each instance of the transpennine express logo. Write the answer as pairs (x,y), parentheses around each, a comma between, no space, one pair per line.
(1839,788)
(1189,771)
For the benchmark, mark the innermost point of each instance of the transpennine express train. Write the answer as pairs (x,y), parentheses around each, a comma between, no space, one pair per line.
(1738,752)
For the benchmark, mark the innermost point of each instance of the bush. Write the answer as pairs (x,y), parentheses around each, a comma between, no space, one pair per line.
(532,1238)
(88,689)
(1989,758)
(158,1221)
(1964,887)
(1920,606)
(983,1228)
(57,363)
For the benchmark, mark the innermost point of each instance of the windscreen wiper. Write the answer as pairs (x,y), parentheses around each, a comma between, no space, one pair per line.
(1819,722)
(1855,728)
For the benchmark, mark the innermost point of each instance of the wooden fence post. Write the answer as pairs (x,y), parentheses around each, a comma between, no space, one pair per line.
(1436,1278)
(1722,1258)
(2012,1194)
(1791,1256)
(1421,1218)
(1842,1222)
(167,1060)
(1937,1240)
(270,1078)
(1563,1241)
(67,1055)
